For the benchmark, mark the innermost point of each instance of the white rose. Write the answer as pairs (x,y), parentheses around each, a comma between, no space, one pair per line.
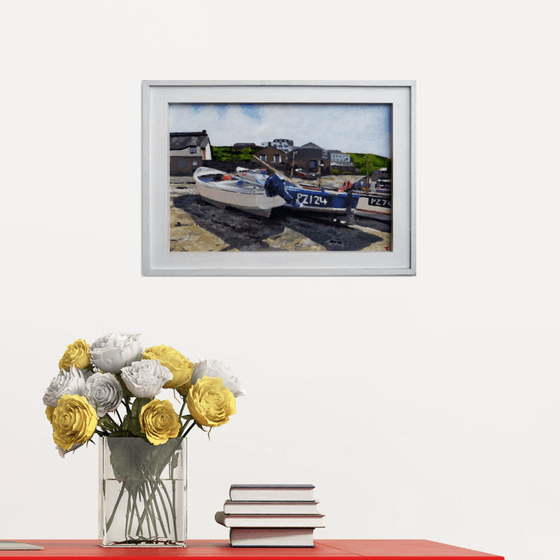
(112,352)
(215,368)
(104,392)
(145,378)
(67,382)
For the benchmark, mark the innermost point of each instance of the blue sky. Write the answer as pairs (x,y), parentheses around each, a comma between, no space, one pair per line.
(344,127)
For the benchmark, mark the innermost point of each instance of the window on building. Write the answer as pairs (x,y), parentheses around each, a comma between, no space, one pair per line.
(276,159)
(193,150)
(262,157)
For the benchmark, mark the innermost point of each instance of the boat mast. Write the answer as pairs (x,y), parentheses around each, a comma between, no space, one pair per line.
(293,165)
(271,168)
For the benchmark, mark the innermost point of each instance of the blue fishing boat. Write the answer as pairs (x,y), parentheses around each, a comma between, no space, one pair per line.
(315,200)
(304,198)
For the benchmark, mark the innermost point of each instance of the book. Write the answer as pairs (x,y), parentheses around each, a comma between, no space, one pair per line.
(297,508)
(13,545)
(271,492)
(275,521)
(297,537)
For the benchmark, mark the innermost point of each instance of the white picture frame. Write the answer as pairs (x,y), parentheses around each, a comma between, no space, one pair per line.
(158,260)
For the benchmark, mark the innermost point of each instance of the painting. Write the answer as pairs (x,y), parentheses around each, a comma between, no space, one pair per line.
(279,178)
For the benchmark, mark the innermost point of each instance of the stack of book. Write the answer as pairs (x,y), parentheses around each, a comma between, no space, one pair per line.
(270,515)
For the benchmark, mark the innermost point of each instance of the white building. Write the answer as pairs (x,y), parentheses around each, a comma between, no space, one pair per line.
(281,144)
(338,158)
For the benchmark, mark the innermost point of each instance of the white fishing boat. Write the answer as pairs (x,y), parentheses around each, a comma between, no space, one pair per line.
(245,192)
(377,206)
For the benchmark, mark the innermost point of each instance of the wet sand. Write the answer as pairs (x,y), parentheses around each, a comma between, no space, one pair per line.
(196,225)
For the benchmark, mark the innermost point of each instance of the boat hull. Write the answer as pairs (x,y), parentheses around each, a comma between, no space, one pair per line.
(308,198)
(375,206)
(236,192)
(330,202)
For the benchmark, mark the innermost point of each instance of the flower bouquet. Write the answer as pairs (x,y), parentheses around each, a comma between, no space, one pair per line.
(108,388)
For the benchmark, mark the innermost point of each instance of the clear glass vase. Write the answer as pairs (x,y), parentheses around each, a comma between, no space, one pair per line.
(142,492)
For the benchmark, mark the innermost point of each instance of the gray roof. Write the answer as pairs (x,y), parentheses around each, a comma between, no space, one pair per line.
(312,146)
(182,140)
(311,151)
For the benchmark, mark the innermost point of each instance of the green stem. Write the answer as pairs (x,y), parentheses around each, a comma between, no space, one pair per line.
(150,504)
(188,430)
(183,407)
(155,491)
(173,510)
(151,510)
(119,417)
(161,484)
(148,511)
(110,522)
(171,505)
(126,405)
(127,529)
(135,508)
(144,515)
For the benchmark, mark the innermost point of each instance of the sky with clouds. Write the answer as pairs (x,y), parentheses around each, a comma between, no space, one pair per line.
(344,127)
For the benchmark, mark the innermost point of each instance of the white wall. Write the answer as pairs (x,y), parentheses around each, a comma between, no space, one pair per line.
(421,407)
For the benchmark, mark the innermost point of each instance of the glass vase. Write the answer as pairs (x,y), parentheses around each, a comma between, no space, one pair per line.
(142,492)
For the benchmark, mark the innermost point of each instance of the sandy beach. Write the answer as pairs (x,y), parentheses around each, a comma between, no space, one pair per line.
(196,225)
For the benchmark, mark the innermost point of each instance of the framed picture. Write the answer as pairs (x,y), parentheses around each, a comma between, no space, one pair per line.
(278,178)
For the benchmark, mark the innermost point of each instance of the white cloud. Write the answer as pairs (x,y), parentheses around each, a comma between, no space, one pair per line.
(349,128)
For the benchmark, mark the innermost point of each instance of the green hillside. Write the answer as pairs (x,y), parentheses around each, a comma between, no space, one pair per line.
(375,162)
(229,153)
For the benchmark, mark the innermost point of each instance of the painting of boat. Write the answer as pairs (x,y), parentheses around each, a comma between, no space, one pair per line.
(323,200)
(306,174)
(244,192)
(303,198)
(383,185)
(275,176)
(375,199)
(377,206)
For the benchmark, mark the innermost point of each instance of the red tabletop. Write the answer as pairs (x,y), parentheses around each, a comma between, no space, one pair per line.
(219,550)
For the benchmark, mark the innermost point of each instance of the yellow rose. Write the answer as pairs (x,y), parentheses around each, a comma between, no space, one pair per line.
(49,412)
(74,421)
(210,403)
(174,361)
(159,421)
(77,354)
